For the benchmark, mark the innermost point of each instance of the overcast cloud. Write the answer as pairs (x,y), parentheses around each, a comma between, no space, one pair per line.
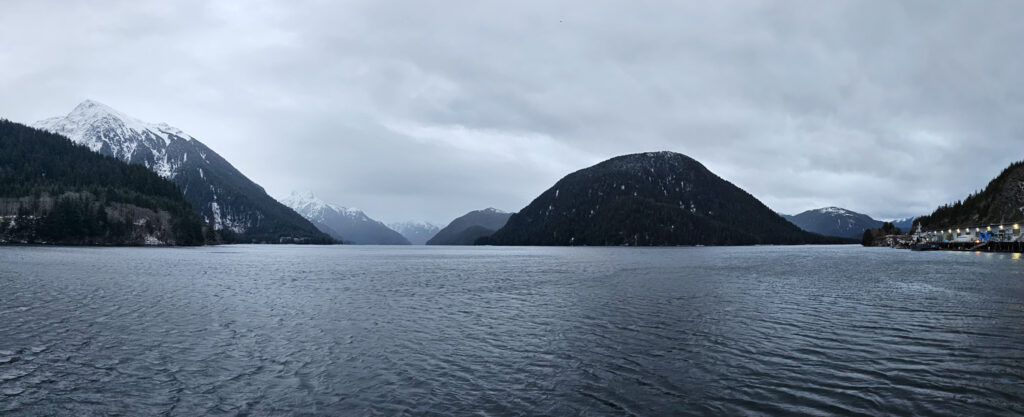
(424,110)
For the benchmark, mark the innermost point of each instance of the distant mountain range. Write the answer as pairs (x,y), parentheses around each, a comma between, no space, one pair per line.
(347,225)
(648,199)
(418,233)
(236,208)
(834,221)
(1001,202)
(55,192)
(468,228)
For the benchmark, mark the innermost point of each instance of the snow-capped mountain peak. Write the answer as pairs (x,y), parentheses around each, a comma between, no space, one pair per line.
(222,195)
(344,223)
(310,206)
(110,132)
(834,210)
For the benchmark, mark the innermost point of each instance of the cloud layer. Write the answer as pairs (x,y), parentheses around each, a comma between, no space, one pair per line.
(426,110)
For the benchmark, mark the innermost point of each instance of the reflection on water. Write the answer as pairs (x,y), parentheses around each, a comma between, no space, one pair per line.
(272,330)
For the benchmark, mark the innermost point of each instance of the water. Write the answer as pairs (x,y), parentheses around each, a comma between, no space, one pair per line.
(272,330)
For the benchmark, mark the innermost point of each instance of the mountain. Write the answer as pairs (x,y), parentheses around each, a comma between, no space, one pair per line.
(1001,202)
(56,192)
(348,225)
(905,224)
(834,221)
(418,233)
(466,229)
(648,199)
(238,209)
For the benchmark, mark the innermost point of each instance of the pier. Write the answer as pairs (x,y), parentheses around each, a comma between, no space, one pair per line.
(1007,237)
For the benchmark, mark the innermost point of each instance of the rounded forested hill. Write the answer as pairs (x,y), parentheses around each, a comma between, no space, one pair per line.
(466,229)
(53,191)
(648,199)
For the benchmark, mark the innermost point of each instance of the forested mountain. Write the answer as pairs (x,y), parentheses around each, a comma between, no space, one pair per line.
(1001,202)
(418,233)
(55,192)
(648,199)
(237,209)
(466,229)
(834,221)
(344,224)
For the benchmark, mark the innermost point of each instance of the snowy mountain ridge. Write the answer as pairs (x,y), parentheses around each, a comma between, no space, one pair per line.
(835,210)
(110,132)
(223,196)
(311,207)
(345,224)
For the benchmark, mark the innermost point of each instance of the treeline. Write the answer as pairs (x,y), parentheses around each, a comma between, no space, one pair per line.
(997,203)
(872,236)
(64,193)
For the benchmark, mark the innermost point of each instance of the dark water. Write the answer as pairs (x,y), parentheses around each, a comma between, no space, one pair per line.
(285,330)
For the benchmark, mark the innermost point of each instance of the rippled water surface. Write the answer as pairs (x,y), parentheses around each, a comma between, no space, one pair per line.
(272,330)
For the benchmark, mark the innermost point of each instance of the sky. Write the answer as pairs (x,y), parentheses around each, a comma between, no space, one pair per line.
(424,110)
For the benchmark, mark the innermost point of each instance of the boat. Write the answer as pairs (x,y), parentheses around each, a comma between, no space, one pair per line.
(925,246)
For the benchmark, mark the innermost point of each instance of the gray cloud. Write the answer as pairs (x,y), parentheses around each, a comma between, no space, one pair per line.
(425,110)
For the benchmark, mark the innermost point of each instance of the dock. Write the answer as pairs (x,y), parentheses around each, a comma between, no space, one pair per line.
(1007,237)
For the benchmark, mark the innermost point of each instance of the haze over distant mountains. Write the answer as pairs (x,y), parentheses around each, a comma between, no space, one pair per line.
(418,233)
(466,229)
(234,206)
(648,199)
(348,225)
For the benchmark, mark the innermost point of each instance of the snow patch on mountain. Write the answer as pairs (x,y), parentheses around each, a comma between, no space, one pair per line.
(835,210)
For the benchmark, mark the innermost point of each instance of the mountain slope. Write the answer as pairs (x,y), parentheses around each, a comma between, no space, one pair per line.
(53,191)
(648,199)
(237,208)
(1001,202)
(345,224)
(834,221)
(418,233)
(466,229)
(905,224)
